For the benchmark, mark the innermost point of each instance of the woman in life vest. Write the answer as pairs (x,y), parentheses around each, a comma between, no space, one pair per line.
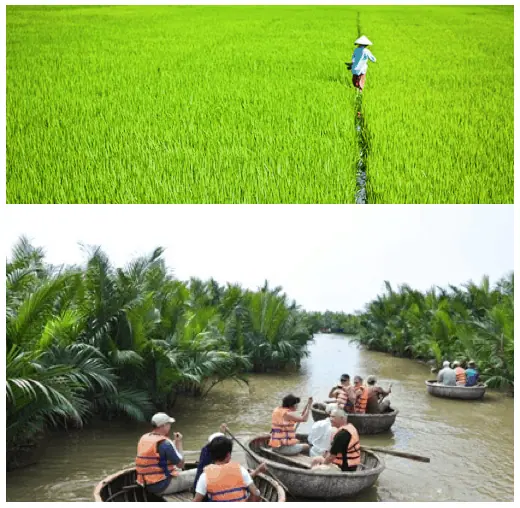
(361,395)
(224,480)
(460,374)
(283,425)
(159,460)
(345,450)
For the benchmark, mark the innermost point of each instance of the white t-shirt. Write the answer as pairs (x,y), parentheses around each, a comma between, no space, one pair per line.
(202,484)
(320,436)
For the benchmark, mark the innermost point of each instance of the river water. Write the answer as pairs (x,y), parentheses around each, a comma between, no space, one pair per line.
(470,443)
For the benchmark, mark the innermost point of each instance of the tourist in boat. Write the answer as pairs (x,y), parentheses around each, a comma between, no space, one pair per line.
(205,456)
(345,450)
(460,374)
(283,425)
(447,376)
(224,480)
(321,434)
(159,460)
(344,394)
(344,382)
(375,397)
(359,65)
(361,392)
(472,375)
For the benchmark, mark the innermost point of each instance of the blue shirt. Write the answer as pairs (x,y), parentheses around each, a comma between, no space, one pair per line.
(204,460)
(167,454)
(471,377)
(360,59)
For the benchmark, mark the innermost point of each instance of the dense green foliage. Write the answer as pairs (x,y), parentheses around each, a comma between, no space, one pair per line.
(334,322)
(439,113)
(253,104)
(99,340)
(458,323)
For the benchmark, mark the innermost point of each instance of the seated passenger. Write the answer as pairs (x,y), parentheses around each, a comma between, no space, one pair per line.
(472,375)
(447,375)
(225,480)
(283,426)
(159,460)
(345,450)
(460,374)
(375,402)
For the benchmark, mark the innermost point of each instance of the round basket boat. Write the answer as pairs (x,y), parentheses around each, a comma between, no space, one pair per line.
(314,484)
(455,392)
(122,487)
(365,423)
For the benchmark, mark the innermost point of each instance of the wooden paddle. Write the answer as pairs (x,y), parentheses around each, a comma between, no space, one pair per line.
(304,409)
(411,456)
(256,460)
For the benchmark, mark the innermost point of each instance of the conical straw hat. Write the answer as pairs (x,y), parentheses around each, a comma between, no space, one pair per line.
(363,41)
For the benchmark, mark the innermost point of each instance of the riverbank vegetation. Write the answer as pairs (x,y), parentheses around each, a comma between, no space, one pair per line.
(108,341)
(474,321)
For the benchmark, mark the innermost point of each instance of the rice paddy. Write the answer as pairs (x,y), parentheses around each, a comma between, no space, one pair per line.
(229,104)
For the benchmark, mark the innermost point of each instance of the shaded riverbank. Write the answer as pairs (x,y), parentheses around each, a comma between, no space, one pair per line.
(455,435)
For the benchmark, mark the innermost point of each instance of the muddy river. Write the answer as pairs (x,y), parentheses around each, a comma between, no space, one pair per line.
(470,443)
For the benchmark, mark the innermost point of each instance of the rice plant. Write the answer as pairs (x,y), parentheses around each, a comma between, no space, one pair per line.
(133,104)
(439,104)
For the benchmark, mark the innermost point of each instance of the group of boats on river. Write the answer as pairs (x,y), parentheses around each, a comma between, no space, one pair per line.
(327,463)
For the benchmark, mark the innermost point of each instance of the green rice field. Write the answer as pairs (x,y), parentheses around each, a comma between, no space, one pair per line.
(254,104)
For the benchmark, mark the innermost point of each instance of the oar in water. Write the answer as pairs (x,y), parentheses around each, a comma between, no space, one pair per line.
(256,460)
(411,456)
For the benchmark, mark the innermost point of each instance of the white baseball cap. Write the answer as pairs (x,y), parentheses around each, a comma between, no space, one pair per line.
(159,419)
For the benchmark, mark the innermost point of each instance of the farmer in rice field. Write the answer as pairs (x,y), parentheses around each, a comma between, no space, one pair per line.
(360,59)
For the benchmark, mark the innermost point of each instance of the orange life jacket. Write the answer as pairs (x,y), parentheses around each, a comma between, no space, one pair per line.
(353,448)
(460,374)
(149,467)
(283,433)
(343,400)
(225,482)
(361,400)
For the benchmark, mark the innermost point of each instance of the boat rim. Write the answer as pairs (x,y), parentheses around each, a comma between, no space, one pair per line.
(97,490)
(361,415)
(108,479)
(260,458)
(433,382)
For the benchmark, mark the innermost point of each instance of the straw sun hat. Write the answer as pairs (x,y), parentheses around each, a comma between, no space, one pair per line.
(363,41)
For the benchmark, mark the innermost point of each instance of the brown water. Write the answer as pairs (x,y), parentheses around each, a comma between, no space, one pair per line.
(470,443)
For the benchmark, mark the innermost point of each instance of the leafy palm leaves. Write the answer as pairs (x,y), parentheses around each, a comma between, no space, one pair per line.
(110,341)
(472,322)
